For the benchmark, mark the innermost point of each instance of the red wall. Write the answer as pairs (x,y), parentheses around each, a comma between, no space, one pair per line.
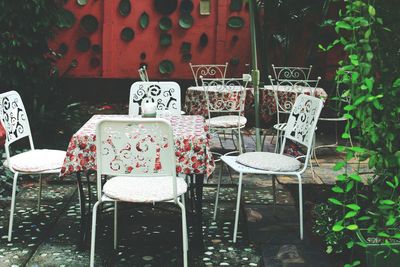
(120,59)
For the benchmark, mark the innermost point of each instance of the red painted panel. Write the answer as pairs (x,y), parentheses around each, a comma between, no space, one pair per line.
(122,59)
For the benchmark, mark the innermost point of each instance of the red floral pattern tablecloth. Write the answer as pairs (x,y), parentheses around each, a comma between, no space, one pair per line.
(192,148)
(196,103)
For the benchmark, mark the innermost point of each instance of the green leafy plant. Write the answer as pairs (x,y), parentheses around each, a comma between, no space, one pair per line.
(27,64)
(369,34)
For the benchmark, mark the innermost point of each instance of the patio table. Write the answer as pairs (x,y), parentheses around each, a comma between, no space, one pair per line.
(196,103)
(193,154)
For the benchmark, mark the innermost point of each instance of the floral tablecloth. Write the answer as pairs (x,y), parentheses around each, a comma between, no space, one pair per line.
(192,148)
(196,103)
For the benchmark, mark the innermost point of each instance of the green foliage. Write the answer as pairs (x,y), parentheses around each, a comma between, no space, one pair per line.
(27,65)
(369,34)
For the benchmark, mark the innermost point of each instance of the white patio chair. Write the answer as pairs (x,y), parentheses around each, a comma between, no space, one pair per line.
(291,73)
(300,128)
(167,96)
(225,101)
(217,71)
(139,155)
(143,74)
(285,94)
(340,101)
(34,161)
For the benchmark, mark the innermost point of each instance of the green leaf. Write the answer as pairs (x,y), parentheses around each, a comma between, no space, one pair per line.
(353,207)
(343,25)
(339,165)
(352,227)
(387,202)
(350,214)
(355,177)
(396,83)
(335,201)
(364,218)
(371,11)
(350,244)
(349,186)
(383,234)
(391,220)
(337,228)
(337,189)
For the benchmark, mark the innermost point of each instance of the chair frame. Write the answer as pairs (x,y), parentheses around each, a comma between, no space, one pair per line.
(208,71)
(296,87)
(167,155)
(291,73)
(298,131)
(157,92)
(226,86)
(22,130)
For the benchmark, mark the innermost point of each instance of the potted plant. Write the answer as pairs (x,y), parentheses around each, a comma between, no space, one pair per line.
(367,204)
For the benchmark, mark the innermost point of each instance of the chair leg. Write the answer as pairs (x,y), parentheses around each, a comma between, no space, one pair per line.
(184,205)
(237,208)
(40,192)
(93,237)
(14,189)
(300,205)
(278,141)
(218,188)
(184,234)
(115,224)
(274,192)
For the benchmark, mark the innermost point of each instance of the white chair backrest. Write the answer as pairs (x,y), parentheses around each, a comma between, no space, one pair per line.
(135,147)
(14,119)
(208,71)
(303,119)
(225,95)
(292,73)
(143,74)
(287,91)
(167,96)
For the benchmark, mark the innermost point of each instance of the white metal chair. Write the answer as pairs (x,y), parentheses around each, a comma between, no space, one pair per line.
(225,101)
(139,155)
(285,94)
(339,100)
(167,96)
(291,73)
(300,128)
(143,74)
(34,161)
(217,71)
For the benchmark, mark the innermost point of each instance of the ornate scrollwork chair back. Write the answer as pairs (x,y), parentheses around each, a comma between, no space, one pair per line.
(166,95)
(217,71)
(291,73)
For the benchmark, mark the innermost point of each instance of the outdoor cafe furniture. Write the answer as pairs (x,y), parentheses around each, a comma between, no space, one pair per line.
(285,94)
(139,154)
(301,129)
(196,103)
(291,73)
(165,95)
(34,161)
(208,71)
(192,151)
(225,106)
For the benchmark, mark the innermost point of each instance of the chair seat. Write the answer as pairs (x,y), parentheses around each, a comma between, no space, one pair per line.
(227,121)
(269,161)
(37,160)
(143,189)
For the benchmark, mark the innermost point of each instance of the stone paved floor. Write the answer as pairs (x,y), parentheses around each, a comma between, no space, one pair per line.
(151,236)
